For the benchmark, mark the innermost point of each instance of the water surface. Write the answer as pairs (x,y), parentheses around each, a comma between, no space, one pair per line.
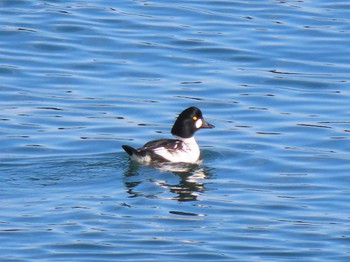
(80,79)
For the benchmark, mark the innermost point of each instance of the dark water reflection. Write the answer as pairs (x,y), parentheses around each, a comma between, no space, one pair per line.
(186,183)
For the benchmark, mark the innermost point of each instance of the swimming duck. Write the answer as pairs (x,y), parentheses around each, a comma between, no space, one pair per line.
(183,148)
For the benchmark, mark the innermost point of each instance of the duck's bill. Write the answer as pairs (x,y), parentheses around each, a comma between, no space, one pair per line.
(207,125)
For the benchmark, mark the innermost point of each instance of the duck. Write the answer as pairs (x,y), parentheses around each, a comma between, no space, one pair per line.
(183,148)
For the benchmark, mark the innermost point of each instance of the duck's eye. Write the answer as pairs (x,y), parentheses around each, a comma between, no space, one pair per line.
(194,118)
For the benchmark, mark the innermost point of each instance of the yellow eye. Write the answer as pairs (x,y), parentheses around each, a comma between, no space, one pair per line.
(194,118)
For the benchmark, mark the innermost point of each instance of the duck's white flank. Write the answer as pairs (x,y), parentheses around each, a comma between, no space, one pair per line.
(188,154)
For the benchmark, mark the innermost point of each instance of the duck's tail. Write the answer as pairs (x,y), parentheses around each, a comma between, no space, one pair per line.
(136,155)
(130,150)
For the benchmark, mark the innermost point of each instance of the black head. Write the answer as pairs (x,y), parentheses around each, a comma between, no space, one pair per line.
(188,122)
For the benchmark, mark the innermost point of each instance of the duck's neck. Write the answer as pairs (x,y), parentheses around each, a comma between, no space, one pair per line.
(187,140)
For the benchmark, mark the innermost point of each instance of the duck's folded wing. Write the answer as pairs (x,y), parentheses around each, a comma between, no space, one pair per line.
(165,150)
(164,144)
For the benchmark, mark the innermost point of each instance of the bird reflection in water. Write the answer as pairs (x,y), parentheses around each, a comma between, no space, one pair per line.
(188,186)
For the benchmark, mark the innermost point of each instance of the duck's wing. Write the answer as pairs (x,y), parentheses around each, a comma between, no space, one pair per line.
(163,150)
(166,144)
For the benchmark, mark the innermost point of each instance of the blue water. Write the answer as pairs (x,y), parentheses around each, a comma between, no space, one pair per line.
(80,78)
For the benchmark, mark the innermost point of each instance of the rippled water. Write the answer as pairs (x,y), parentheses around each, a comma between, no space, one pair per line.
(80,79)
